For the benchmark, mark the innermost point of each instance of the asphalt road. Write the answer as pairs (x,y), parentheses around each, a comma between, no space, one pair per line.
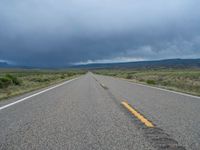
(86,113)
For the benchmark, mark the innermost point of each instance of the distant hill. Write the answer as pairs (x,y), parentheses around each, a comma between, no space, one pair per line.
(3,64)
(7,65)
(167,63)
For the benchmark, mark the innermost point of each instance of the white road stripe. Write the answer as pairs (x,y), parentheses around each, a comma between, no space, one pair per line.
(23,99)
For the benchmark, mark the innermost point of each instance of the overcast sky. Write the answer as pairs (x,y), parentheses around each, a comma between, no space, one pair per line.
(61,32)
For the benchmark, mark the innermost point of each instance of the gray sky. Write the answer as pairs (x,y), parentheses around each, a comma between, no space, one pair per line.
(60,32)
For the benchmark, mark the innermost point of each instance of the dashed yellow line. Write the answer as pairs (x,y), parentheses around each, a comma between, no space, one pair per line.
(138,115)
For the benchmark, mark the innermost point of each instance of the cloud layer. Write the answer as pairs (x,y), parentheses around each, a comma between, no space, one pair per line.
(61,32)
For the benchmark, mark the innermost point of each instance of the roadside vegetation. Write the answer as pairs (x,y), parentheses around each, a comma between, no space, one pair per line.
(15,82)
(183,80)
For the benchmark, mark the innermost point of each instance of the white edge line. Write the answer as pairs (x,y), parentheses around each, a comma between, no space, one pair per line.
(140,84)
(23,99)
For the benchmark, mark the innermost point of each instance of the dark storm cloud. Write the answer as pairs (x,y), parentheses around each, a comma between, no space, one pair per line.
(60,32)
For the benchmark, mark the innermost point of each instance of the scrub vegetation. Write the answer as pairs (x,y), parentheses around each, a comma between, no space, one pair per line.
(15,82)
(183,80)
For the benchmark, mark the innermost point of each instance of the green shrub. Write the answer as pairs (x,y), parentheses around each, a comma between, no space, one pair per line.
(141,80)
(1,84)
(62,76)
(14,79)
(69,74)
(165,83)
(5,82)
(150,82)
(129,76)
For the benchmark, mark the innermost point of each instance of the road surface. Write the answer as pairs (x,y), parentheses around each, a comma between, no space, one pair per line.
(87,113)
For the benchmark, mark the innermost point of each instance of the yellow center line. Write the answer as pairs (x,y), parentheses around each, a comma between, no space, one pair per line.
(137,115)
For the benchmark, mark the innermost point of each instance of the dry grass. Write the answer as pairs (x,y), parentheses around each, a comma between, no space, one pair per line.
(33,79)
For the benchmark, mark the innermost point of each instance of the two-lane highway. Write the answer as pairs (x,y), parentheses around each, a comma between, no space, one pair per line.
(75,115)
(99,112)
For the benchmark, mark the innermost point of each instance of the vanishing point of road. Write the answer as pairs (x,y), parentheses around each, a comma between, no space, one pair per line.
(98,112)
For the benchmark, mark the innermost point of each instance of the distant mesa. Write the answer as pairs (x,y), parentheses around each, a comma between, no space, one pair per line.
(4,64)
(166,63)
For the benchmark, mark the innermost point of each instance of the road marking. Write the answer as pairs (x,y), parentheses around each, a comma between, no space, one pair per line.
(23,99)
(137,115)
